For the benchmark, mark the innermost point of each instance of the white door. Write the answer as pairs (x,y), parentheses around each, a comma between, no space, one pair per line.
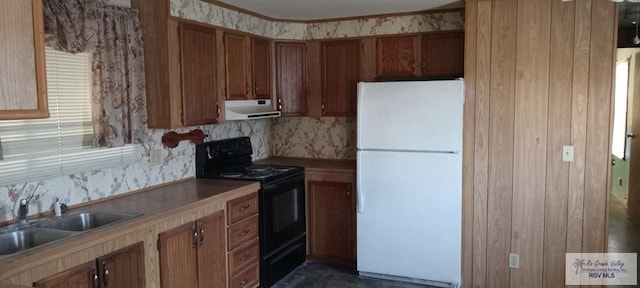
(413,115)
(410,214)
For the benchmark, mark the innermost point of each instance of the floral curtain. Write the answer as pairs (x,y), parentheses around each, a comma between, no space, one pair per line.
(114,36)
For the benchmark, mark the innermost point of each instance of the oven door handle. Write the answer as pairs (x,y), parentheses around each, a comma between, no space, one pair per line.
(359,191)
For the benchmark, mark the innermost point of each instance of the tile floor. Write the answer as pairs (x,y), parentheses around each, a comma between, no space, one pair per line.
(318,275)
(624,236)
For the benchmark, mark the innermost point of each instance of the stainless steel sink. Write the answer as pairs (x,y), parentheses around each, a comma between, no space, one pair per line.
(19,240)
(87,219)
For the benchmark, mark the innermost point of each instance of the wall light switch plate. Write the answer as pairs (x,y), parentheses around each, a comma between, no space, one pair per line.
(514,260)
(155,157)
(567,153)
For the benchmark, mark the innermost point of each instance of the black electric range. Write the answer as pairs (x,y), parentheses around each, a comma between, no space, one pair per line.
(281,202)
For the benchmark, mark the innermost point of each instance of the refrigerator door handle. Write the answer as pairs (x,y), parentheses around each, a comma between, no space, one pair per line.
(359,192)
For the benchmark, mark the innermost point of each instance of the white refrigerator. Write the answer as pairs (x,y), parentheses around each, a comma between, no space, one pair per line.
(409,189)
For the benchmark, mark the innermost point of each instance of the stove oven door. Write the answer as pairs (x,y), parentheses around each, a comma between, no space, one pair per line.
(282,209)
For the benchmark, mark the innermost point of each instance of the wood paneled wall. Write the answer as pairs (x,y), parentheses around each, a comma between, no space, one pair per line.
(538,76)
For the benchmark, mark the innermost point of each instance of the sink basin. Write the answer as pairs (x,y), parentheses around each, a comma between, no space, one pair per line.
(19,240)
(87,219)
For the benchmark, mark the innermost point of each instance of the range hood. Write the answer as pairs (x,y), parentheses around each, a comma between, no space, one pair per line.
(249,109)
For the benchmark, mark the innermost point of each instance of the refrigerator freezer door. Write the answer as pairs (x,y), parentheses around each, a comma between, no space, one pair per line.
(412,116)
(411,219)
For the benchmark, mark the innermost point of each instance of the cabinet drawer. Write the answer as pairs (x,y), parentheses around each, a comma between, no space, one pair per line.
(242,232)
(246,278)
(243,257)
(242,208)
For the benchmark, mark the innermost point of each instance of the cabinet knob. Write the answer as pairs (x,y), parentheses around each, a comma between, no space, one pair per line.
(247,88)
(201,234)
(279,100)
(245,232)
(94,276)
(105,274)
(631,135)
(245,207)
(195,235)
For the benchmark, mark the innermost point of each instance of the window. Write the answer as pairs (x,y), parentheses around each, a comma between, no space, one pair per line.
(62,144)
(618,143)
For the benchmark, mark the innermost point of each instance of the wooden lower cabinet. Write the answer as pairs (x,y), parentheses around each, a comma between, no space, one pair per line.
(193,255)
(121,268)
(332,222)
(243,244)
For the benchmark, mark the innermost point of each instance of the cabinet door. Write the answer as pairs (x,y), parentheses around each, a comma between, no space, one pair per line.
(123,268)
(290,78)
(235,46)
(83,276)
(332,222)
(443,55)
(198,61)
(22,66)
(211,251)
(178,257)
(397,56)
(261,60)
(340,75)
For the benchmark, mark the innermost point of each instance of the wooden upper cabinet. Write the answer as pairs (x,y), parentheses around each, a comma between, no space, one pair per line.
(290,78)
(397,56)
(235,51)
(123,268)
(198,65)
(22,62)
(341,66)
(261,63)
(443,54)
(184,70)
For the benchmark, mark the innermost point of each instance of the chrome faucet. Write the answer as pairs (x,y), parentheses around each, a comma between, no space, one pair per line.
(23,211)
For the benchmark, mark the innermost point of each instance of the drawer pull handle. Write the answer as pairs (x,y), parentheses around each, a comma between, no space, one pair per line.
(245,207)
(245,232)
(245,257)
(245,281)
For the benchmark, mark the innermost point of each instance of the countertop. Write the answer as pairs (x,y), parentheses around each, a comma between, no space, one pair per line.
(154,202)
(312,164)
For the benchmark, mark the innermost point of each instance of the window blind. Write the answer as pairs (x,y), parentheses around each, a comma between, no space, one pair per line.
(62,144)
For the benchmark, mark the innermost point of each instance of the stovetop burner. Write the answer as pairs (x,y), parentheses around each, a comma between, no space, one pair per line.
(258,174)
(231,174)
(257,168)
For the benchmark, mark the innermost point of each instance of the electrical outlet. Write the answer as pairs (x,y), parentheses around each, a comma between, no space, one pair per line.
(514,260)
(155,157)
(567,153)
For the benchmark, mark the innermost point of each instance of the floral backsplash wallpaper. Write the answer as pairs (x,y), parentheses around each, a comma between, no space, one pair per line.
(326,137)
(177,163)
(205,12)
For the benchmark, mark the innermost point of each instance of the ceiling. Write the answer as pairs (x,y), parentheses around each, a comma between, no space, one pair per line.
(329,9)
